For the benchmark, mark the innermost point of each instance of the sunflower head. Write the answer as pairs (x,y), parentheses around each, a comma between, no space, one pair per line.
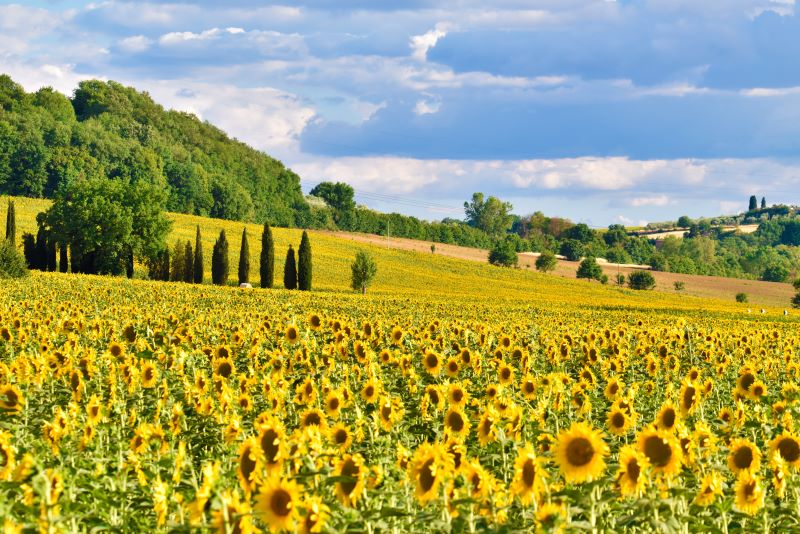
(580,453)
(662,450)
(278,502)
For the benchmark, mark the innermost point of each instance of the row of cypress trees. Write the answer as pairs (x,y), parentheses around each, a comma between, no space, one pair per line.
(297,274)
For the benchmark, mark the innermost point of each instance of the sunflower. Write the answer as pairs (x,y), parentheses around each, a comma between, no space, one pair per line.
(528,387)
(456,424)
(94,410)
(662,450)
(314,321)
(11,399)
(618,422)
(452,367)
(313,417)
(291,334)
(743,383)
(433,397)
(580,453)
(7,456)
(689,398)
(117,351)
(479,480)
(341,436)
(432,362)
(743,456)
(667,417)
(613,389)
(487,431)
(223,367)
(631,477)
(550,518)
(315,514)
(278,502)
(397,335)
(529,476)
(250,460)
(333,404)
(149,375)
(428,468)
(234,516)
(710,489)
(272,441)
(749,494)
(787,447)
(505,374)
(352,473)
(370,391)
(457,395)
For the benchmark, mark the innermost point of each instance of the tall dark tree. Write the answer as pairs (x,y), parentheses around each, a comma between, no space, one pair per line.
(219,260)
(29,249)
(763,203)
(52,255)
(198,258)
(11,223)
(290,270)
(304,267)
(267,257)
(41,249)
(244,260)
(753,203)
(129,262)
(63,259)
(188,260)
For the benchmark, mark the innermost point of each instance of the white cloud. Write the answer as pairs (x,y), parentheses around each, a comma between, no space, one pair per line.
(729,207)
(135,43)
(427,107)
(660,200)
(420,44)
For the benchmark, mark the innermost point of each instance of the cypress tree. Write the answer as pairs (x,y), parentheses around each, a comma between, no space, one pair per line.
(198,258)
(763,203)
(129,262)
(290,270)
(164,274)
(304,263)
(219,260)
(267,257)
(188,270)
(41,249)
(52,255)
(63,260)
(29,249)
(244,260)
(753,205)
(11,223)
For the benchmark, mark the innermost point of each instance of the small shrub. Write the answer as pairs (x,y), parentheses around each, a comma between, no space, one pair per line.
(12,263)
(546,262)
(619,279)
(641,280)
(504,254)
(590,270)
(741,297)
(679,285)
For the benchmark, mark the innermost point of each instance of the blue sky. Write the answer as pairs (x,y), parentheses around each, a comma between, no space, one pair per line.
(601,111)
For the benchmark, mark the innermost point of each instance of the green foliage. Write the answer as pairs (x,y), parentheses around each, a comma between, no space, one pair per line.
(63,259)
(546,262)
(363,270)
(790,235)
(503,253)
(616,236)
(572,249)
(589,269)
(618,254)
(641,280)
(290,270)
(796,300)
(776,272)
(753,205)
(741,297)
(490,215)
(679,285)
(198,273)
(219,260)
(267,259)
(11,224)
(102,219)
(12,263)
(339,196)
(304,269)
(684,221)
(108,130)
(178,270)
(619,278)
(244,260)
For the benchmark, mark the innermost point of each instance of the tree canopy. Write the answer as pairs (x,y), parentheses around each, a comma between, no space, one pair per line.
(491,215)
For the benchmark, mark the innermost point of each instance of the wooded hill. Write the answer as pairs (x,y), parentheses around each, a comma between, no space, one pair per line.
(107,129)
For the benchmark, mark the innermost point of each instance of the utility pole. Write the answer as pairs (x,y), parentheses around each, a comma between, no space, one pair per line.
(387,234)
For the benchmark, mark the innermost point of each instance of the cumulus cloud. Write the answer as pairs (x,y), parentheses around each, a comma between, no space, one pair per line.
(420,44)
(660,200)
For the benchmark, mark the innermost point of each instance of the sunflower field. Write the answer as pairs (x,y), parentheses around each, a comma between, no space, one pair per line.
(143,406)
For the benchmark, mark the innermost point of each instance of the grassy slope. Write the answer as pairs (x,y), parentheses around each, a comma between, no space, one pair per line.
(406,271)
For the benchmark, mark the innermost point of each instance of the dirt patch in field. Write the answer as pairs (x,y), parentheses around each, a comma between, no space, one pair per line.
(760,293)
